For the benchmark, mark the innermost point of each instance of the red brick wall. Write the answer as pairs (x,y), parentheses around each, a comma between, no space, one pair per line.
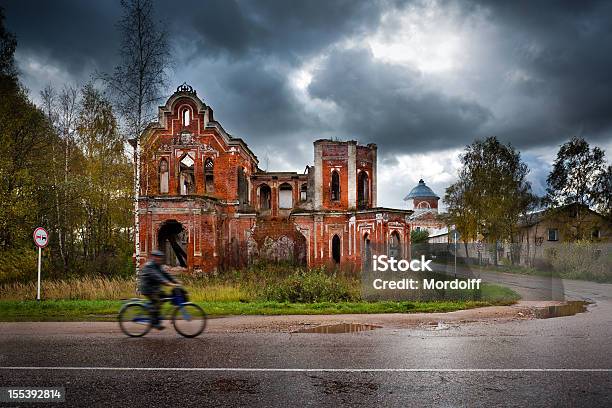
(433,203)
(334,157)
(220,236)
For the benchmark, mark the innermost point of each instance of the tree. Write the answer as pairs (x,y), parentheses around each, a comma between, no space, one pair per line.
(61,110)
(419,237)
(575,173)
(491,194)
(62,166)
(137,82)
(460,214)
(105,198)
(579,178)
(25,138)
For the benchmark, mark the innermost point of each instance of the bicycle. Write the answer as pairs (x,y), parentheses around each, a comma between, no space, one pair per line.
(136,320)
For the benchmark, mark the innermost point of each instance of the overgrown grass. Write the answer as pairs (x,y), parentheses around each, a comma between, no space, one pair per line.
(269,289)
(118,289)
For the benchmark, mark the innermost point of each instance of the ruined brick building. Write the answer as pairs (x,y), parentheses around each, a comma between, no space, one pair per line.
(206,203)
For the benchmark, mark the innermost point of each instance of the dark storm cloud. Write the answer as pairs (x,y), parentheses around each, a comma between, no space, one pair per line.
(564,46)
(386,104)
(74,34)
(290,30)
(258,100)
(241,55)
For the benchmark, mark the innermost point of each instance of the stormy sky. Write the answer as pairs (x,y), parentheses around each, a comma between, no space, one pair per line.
(420,78)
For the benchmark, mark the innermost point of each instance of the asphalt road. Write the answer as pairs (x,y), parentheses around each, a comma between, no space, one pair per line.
(552,362)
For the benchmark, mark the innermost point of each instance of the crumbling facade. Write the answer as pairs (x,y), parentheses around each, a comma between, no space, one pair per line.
(205,202)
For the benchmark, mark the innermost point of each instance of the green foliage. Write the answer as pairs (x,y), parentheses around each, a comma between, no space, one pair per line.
(419,237)
(308,287)
(18,264)
(492,191)
(25,137)
(78,186)
(575,173)
(579,178)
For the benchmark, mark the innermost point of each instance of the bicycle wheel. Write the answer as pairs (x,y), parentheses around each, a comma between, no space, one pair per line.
(135,319)
(189,319)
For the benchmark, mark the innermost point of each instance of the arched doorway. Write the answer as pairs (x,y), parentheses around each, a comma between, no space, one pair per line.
(172,239)
(395,246)
(336,249)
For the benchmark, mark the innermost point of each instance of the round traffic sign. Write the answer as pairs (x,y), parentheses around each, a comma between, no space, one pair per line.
(41,237)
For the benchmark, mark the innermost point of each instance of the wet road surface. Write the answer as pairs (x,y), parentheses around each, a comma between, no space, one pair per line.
(568,362)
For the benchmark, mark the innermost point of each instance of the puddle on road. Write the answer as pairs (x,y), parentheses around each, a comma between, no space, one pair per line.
(338,328)
(568,309)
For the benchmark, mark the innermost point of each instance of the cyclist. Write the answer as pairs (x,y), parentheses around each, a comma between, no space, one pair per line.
(152,276)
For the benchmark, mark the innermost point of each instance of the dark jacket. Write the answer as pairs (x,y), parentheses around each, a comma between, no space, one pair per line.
(152,276)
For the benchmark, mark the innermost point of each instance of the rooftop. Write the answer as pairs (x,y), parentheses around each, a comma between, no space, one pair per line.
(421,191)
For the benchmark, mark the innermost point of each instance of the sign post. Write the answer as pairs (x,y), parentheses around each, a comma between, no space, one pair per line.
(455,237)
(41,239)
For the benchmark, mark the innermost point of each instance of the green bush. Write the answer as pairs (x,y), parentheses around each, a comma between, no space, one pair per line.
(19,265)
(308,287)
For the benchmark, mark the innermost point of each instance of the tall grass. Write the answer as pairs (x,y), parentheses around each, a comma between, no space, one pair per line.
(258,282)
(73,289)
(115,289)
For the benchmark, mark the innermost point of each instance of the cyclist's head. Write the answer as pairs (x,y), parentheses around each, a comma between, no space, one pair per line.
(157,256)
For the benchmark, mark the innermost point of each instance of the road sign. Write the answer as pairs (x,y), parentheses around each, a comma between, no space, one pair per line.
(41,237)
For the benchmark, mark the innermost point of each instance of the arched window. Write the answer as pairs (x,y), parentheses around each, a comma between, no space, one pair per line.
(395,246)
(336,249)
(243,187)
(164,176)
(186,178)
(423,204)
(304,192)
(265,197)
(335,186)
(363,190)
(186,117)
(285,196)
(209,177)
(366,253)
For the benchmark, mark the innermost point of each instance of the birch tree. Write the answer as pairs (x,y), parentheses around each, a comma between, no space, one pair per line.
(61,111)
(138,80)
